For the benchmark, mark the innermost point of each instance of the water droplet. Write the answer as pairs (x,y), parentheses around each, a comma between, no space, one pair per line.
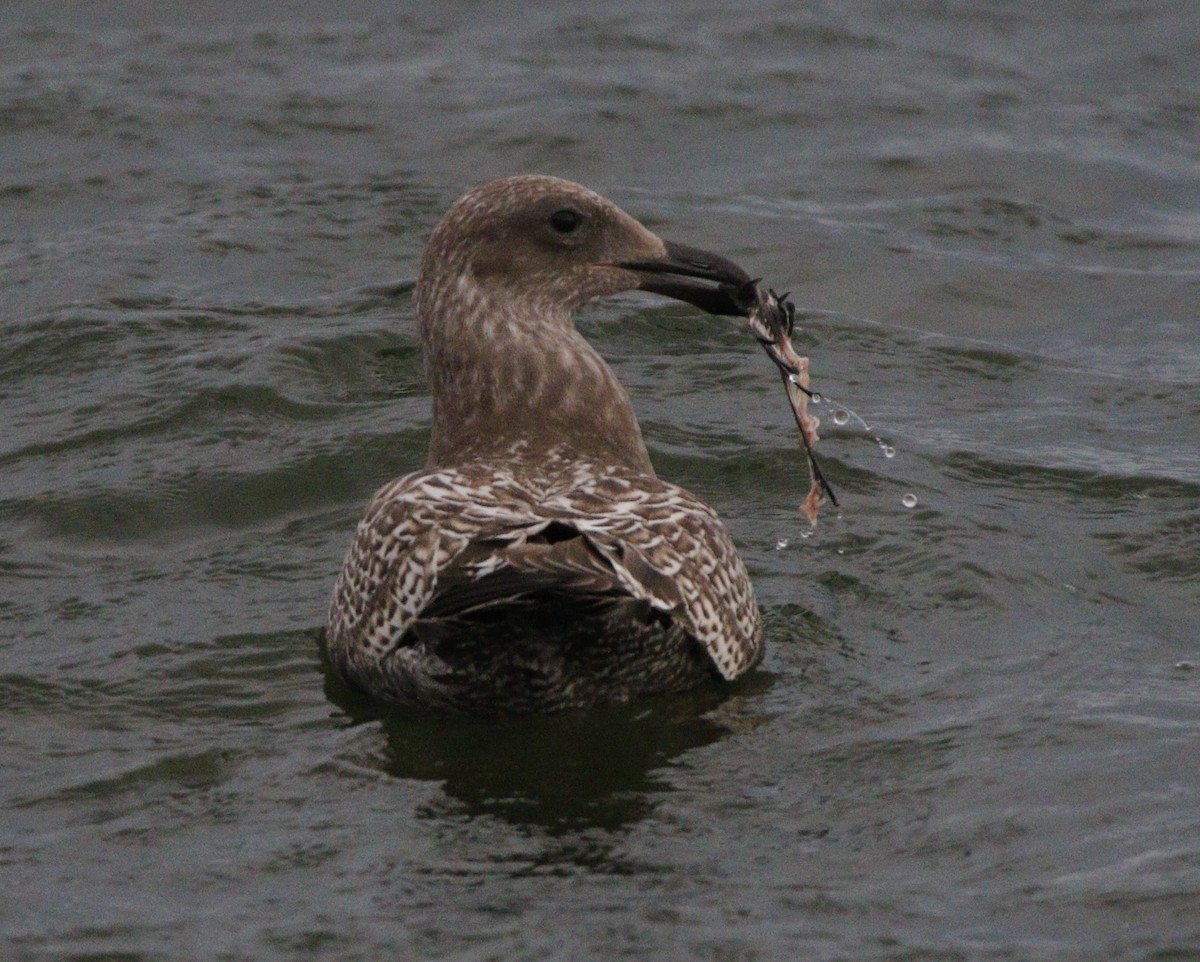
(840,416)
(793,379)
(909,500)
(889,451)
(815,397)
(1184,665)
(781,544)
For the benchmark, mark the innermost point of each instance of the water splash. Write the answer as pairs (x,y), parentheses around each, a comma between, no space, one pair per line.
(843,415)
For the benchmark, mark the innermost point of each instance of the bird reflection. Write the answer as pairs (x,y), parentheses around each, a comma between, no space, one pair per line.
(560,773)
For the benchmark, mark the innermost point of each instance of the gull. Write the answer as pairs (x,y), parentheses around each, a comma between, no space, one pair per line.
(537,562)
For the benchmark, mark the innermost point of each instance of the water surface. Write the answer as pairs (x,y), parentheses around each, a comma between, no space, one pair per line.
(975,734)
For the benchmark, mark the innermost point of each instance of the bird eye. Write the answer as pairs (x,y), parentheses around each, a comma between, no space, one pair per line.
(566,221)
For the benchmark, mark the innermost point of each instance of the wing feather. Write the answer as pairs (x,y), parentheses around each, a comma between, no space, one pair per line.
(437,544)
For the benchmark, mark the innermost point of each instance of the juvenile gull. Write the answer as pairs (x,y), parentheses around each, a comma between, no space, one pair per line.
(538,562)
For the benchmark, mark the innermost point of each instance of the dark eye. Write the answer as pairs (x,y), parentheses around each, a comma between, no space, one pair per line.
(566,221)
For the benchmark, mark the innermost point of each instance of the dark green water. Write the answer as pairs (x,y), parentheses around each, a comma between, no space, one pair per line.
(976,733)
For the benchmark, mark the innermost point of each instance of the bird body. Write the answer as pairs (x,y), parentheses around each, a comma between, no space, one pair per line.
(538,562)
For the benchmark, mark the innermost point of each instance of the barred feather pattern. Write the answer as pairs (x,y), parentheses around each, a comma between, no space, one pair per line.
(454,594)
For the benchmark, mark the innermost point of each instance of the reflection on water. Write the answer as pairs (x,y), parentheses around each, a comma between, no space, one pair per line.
(561,772)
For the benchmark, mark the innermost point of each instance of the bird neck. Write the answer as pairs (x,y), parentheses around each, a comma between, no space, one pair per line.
(504,385)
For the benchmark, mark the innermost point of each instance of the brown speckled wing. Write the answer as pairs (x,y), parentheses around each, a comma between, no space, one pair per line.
(436,530)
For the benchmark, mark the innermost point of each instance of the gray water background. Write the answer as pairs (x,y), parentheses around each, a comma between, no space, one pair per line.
(977,733)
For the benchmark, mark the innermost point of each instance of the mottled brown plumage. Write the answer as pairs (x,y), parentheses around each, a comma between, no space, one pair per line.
(538,562)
